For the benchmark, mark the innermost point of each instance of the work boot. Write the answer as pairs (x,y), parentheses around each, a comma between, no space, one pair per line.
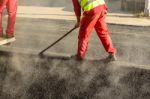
(111,57)
(9,35)
(1,34)
(76,57)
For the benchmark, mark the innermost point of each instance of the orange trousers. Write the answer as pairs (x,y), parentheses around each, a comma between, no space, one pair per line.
(11,6)
(88,23)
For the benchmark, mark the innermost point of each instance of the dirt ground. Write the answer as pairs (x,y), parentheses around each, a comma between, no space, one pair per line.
(25,75)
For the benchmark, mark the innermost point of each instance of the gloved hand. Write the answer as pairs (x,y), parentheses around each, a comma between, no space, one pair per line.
(77,24)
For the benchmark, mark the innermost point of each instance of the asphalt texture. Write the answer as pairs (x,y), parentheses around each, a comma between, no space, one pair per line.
(25,75)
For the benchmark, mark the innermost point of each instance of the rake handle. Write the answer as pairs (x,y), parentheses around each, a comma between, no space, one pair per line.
(57,41)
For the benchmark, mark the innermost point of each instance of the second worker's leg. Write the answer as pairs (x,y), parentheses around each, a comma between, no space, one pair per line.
(2,6)
(12,10)
(1,27)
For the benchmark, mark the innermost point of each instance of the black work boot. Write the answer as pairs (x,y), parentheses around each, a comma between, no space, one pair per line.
(76,57)
(111,57)
(9,35)
(1,34)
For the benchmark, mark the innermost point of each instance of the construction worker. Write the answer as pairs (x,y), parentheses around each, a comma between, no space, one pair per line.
(11,6)
(94,14)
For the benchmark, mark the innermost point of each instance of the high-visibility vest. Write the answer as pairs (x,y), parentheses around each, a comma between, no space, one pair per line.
(87,5)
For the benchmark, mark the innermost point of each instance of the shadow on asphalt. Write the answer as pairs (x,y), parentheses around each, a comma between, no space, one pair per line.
(25,76)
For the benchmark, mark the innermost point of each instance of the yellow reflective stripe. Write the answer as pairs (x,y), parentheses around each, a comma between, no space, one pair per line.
(88,2)
(101,2)
(82,2)
(93,5)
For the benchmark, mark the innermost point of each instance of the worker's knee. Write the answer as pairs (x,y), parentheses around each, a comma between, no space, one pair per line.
(12,13)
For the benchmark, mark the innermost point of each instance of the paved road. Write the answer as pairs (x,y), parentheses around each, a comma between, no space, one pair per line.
(24,75)
(34,34)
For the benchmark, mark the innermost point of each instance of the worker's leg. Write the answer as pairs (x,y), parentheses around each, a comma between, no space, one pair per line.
(87,24)
(1,27)
(12,10)
(2,6)
(103,33)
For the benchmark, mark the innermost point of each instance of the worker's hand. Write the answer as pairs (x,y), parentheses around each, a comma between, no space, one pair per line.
(77,24)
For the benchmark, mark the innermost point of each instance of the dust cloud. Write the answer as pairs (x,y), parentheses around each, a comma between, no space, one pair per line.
(31,77)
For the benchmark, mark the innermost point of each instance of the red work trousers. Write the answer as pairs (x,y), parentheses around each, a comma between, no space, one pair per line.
(11,6)
(88,23)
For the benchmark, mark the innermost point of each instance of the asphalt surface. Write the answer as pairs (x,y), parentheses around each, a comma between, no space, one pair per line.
(25,75)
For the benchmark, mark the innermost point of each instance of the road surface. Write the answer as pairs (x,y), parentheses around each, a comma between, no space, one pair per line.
(25,75)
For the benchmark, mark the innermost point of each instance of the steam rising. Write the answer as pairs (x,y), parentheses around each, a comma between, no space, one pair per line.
(32,77)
